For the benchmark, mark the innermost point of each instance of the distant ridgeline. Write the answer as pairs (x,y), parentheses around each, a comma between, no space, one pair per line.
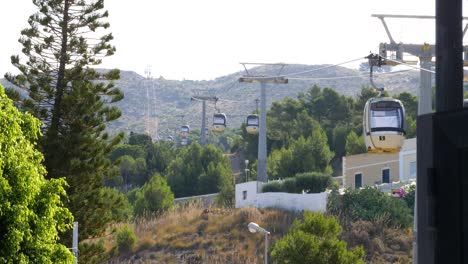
(169,100)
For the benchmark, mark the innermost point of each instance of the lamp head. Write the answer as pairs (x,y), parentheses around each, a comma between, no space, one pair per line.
(253,227)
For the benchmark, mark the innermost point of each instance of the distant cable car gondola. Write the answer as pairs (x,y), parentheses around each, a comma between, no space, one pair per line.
(251,124)
(183,141)
(170,138)
(384,125)
(219,122)
(383,119)
(184,131)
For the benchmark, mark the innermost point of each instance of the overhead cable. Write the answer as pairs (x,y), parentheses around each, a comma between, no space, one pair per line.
(411,66)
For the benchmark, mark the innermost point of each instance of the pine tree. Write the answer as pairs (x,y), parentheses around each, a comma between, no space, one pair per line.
(72,100)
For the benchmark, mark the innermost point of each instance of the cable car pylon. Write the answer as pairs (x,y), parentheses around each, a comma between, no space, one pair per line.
(262,139)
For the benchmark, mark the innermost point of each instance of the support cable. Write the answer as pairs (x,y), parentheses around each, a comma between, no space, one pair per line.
(346,77)
(302,72)
(409,65)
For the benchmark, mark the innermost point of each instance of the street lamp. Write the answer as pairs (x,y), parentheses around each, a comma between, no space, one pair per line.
(247,170)
(254,228)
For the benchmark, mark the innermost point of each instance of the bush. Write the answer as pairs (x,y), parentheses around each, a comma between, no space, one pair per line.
(313,182)
(154,197)
(272,187)
(289,185)
(92,253)
(315,240)
(309,182)
(369,204)
(126,239)
(410,197)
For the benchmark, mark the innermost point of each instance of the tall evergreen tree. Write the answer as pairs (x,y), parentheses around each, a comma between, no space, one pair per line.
(72,100)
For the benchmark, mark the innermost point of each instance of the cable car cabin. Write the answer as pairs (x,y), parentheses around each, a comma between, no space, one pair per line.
(384,125)
(207,132)
(184,131)
(170,138)
(251,124)
(183,142)
(219,123)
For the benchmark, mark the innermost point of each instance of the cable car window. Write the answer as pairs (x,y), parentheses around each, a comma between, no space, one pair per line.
(218,120)
(386,118)
(252,121)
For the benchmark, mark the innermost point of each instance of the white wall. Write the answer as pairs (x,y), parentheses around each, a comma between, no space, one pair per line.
(287,201)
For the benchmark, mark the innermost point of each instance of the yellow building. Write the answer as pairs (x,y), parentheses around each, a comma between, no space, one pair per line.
(369,169)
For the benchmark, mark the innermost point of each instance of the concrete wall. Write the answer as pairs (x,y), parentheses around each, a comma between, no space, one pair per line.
(248,194)
(207,199)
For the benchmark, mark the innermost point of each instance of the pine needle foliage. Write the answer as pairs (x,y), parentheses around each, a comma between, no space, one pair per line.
(64,40)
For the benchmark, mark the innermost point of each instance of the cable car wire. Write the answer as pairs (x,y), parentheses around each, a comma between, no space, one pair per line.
(345,77)
(411,66)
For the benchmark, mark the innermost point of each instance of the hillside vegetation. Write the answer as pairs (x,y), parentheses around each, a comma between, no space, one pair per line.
(192,234)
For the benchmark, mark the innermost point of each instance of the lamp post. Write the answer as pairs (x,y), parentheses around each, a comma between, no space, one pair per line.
(254,228)
(247,170)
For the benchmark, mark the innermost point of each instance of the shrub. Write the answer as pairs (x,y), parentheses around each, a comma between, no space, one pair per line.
(369,204)
(154,197)
(289,185)
(309,182)
(410,197)
(92,253)
(313,182)
(126,239)
(272,187)
(315,240)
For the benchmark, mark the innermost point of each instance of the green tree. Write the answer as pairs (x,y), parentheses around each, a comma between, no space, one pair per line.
(62,43)
(366,93)
(139,139)
(31,211)
(355,144)
(198,170)
(154,197)
(158,156)
(303,155)
(315,240)
(134,151)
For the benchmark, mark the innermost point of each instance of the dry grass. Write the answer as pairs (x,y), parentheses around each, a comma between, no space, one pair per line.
(191,234)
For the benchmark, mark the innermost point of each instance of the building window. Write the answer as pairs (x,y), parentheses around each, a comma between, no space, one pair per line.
(413,169)
(244,195)
(358,180)
(386,176)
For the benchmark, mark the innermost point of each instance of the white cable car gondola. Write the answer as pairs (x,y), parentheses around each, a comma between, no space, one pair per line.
(384,125)
(251,124)
(184,131)
(183,141)
(384,119)
(219,123)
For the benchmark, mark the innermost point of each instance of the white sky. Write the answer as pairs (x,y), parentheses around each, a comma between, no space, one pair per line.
(205,39)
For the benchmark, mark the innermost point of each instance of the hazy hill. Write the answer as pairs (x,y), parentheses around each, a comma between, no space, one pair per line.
(168,100)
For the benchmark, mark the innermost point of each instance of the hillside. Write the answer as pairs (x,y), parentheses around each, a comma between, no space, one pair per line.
(197,235)
(170,99)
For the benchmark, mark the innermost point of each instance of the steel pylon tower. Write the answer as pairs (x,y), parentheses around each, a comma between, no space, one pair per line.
(262,135)
(203,99)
